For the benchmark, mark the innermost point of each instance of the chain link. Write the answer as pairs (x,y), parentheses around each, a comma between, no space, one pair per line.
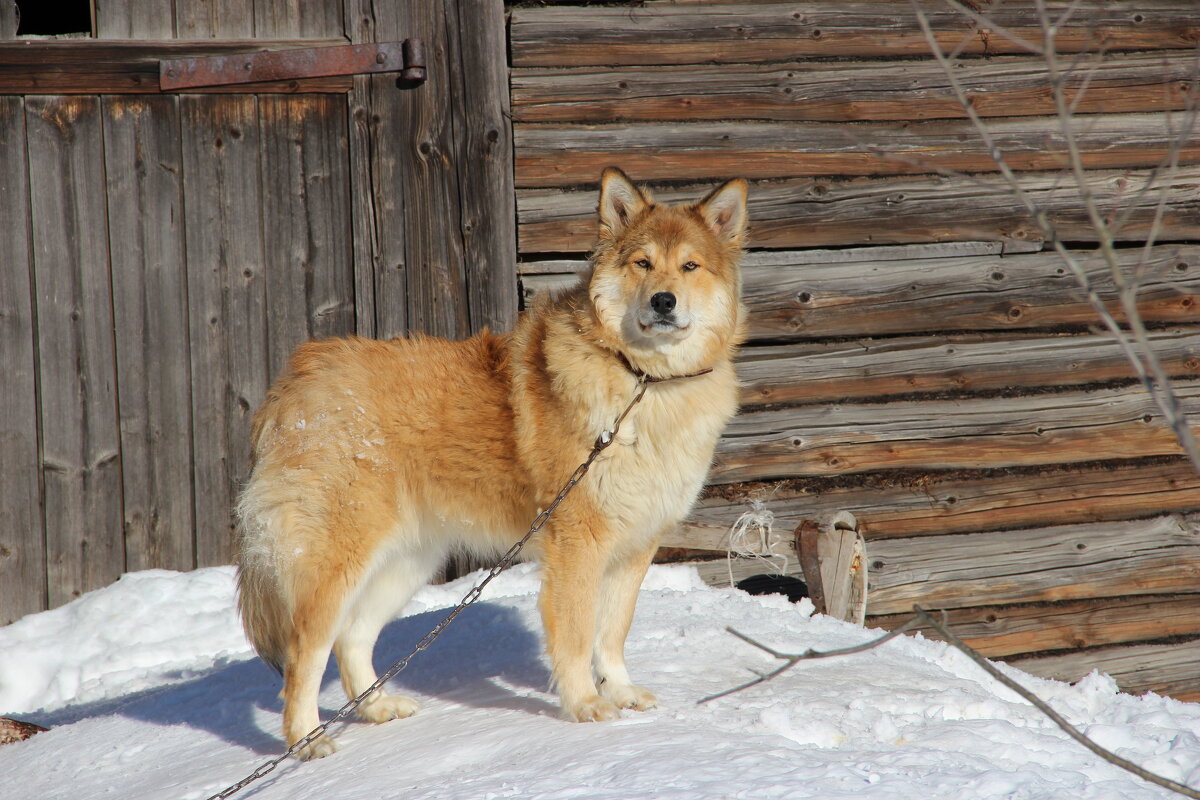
(605,439)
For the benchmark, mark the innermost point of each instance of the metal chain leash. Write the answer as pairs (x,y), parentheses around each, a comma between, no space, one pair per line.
(605,439)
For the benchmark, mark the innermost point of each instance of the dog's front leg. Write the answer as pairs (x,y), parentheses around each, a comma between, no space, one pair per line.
(572,566)
(618,597)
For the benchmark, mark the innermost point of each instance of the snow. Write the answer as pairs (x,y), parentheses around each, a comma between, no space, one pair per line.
(151,691)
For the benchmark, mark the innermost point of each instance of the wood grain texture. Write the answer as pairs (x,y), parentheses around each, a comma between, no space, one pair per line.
(420,125)
(22,531)
(214,19)
(134,19)
(665,33)
(891,505)
(798,295)
(81,465)
(867,369)
(1006,631)
(967,433)
(144,167)
(8,21)
(306,204)
(485,164)
(227,314)
(566,155)
(1168,669)
(811,92)
(1065,562)
(836,212)
(101,66)
(286,18)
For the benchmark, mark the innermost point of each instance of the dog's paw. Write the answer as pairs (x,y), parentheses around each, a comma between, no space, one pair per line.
(387,708)
(318,748)
(639,698)
(592,709)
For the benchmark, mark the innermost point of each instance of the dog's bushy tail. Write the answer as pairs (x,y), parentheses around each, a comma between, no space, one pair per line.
(266,611)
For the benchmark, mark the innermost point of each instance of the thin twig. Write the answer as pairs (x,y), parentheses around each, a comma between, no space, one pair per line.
(792,659)
(1054,716)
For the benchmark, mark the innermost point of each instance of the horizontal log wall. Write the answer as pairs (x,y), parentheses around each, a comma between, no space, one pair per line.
(917,355)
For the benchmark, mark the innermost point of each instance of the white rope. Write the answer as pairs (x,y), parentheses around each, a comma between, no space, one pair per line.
(753,536)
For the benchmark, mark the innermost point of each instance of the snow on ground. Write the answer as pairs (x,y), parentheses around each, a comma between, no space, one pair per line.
(151,691)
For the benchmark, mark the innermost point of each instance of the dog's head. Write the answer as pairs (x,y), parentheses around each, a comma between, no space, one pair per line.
(665,282)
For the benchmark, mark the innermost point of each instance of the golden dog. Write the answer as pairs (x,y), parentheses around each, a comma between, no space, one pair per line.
(376,459)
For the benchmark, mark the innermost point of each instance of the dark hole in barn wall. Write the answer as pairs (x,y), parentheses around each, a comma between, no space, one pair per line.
(53,17)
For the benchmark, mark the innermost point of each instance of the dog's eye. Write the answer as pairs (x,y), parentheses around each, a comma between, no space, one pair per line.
(691,265)
(644,263)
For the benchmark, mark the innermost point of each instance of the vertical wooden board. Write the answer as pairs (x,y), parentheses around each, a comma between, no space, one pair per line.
(226,304)
(134,19)
(369,264)
(294,19)
(22,543)
(307,255)
(485,167)
(80,442)
(145,223)
(8,20)
(417,127)
(214,19)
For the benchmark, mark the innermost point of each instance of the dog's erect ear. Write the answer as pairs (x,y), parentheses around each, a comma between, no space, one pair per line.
(725,210)
(620,202)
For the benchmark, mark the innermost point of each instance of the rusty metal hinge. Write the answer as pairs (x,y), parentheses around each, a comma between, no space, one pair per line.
(407,58)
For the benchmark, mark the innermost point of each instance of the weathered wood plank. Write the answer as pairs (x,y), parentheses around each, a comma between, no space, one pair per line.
(131,19)
(485,166)
(968,433)
(427,183)
(901,505)
(285,18)
(99,66)
(566,155)
(214,19)
(792,300)
(227,315)
(1168,669)
(1064,562)
(8,21)
(867,369)
(145,218)
(903,90)
(1005,631)
(81,464)
(307,256)
(22,531)
(830,212)
(689,34)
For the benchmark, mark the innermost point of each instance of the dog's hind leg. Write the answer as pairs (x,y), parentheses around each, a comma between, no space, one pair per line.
(382,597)
(614,614)
(314,616)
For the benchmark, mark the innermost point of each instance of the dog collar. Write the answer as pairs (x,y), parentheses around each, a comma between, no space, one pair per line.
(647,378)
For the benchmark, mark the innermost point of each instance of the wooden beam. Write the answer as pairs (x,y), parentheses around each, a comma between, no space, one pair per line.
(568,155)
(144,169)
(1168,669)
(22,525)
(99,66)
(808,92)
(964,433)
(1063,562)
(889,505)
(1006,631)
(81,458)
(876,369)
(663,33)
(835,212)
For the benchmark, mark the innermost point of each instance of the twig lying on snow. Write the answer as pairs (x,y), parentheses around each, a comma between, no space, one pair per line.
(921,616)
(793,659)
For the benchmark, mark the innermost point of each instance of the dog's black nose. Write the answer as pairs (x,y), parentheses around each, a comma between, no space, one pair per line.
(663,302)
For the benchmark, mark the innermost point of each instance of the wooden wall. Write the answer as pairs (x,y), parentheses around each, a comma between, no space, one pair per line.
(165,252)
(915,356)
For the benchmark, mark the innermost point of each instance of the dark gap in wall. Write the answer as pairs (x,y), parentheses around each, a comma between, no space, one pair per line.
(42,18)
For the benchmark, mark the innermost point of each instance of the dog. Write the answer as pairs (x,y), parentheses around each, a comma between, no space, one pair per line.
(374,460)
